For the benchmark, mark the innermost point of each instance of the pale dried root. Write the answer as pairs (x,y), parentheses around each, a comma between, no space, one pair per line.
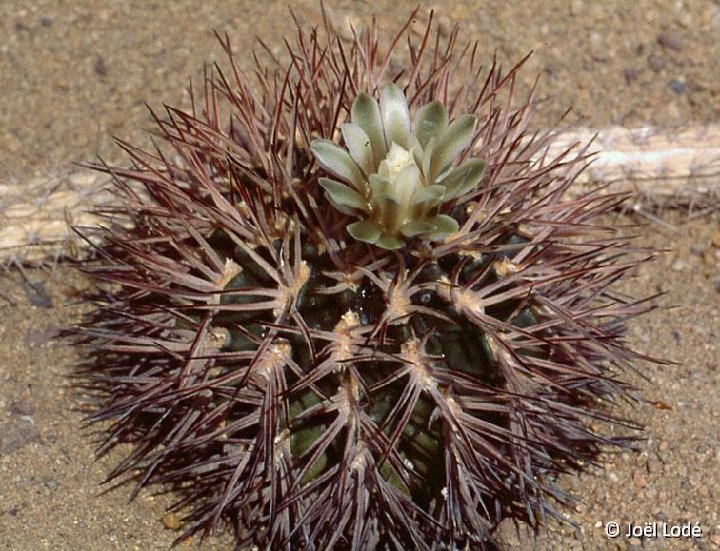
(672,167)
(37,217)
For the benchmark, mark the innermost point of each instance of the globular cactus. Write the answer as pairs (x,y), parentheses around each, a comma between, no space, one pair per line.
(352,307)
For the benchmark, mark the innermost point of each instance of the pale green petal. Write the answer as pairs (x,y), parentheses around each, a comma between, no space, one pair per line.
(429,193)
(424,201)
(430,120)
(414,146)
(366,114)
(390,242)
(343,196)
(379,185)
(337,161)
(358,144)
(462,179)
(386,211)
(367,231)
(444,225)
(395,116)
(426,158)
(418,155)
(416,227)
(450,143)
(407,183)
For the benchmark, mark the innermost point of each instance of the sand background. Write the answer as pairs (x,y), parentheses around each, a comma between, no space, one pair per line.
(74,73)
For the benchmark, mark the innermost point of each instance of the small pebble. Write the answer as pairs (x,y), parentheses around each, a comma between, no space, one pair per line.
(676,86)
(576,7)
(653,465)
(21,407)
(598,49)
(630,75)
(171,521)
(17,434)
(679,265)
(513,535)
(506,533)
(51,484)
(639,479)
(714,17)
(100,67)
(670,40)
(37,336)
(656,62)
(37,294)
(715,239)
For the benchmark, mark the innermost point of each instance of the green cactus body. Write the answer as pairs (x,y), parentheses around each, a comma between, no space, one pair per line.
(360,312)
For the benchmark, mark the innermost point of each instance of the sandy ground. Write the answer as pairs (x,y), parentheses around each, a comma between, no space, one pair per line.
(76,72)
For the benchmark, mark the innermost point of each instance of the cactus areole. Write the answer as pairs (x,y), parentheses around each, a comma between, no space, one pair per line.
(355,310)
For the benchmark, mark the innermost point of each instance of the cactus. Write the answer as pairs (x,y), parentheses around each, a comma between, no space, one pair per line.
(390,332)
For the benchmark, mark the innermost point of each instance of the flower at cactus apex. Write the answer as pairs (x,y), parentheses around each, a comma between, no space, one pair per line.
(397,175)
